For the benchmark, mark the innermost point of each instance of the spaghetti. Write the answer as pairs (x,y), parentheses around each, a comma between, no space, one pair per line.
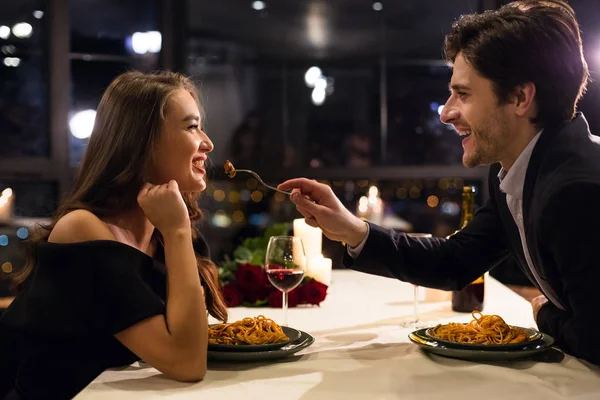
(229,169)
(259,330)
(483,329)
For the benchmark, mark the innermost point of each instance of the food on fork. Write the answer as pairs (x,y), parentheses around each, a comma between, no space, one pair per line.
(483,329)
(229,169)
(248,331)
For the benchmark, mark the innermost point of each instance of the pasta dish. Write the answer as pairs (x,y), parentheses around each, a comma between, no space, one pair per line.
(483,329)
(229,169)
(258,330)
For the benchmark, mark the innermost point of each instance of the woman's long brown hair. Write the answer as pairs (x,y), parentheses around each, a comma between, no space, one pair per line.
(118,161)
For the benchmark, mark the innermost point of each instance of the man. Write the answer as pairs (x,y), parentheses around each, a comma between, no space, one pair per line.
(518,73)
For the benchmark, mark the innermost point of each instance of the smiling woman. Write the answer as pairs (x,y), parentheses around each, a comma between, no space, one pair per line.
(181,150)
(102,263)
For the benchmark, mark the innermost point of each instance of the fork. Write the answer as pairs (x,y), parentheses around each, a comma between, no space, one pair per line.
(254,174)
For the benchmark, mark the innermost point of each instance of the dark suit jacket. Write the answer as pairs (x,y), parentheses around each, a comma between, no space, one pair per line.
(561,211)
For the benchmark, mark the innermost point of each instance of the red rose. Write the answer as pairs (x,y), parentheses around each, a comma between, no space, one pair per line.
(253,295)
(233,296)
(313,292)
(250,275)
(276,299)
(252,282)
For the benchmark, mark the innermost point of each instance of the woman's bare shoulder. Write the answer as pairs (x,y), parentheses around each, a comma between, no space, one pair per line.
(80,226)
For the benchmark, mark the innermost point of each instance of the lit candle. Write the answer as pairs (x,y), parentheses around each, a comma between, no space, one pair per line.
(319,268)
(363,207)
(299,256)
(375,206)
(312,238)
(6,204)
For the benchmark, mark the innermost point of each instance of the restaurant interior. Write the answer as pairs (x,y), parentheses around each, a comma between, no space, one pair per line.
(346,92)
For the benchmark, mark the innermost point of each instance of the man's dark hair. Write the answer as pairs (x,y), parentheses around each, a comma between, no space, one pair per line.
(526,41)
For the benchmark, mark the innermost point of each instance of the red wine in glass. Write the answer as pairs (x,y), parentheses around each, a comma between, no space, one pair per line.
(284,279)
(285,263)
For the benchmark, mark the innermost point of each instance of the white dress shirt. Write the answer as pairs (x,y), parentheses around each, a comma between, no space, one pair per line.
(512,183)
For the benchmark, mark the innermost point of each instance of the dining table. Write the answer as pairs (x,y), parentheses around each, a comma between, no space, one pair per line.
(362,351)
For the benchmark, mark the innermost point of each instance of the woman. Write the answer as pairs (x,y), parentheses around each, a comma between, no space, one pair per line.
(94,292)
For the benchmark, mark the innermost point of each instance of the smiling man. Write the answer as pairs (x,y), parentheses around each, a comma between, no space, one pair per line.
(518,73)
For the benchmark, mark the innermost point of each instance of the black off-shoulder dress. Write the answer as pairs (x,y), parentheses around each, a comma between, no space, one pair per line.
(58,334)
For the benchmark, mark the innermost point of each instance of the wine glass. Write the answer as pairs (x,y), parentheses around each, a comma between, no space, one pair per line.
(415,322)
(285,264)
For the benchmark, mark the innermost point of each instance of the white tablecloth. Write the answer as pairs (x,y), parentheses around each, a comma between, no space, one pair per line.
(361,352)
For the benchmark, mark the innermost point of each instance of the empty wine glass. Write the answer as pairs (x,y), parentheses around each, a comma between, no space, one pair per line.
(285,264)
(415,322)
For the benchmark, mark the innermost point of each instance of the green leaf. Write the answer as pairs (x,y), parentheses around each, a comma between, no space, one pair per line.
(258,256)
(242,255)
(260,303)
(254,243)
(226,275)
(230,266)
(281,229)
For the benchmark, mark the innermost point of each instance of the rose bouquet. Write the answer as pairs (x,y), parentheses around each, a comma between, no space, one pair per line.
(244,280)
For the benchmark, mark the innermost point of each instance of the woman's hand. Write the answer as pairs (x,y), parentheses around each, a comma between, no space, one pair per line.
(164,207)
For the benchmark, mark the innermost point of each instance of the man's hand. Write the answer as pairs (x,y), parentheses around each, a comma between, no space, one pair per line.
(321,208)
(537,303)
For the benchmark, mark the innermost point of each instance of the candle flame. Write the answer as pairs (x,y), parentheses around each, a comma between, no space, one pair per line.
(7,193)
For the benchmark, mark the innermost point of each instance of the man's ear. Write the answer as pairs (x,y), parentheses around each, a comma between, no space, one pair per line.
(524,96)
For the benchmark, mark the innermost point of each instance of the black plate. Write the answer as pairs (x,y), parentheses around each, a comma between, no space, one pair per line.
(420,338)
(303,342)
(291,333)
(533,336)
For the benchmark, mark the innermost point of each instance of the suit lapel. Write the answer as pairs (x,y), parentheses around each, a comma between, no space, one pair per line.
(532,177)
(533,168)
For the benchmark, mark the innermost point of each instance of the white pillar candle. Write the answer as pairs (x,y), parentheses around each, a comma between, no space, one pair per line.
(310,262)
(376,215)
(312,238)
(298,254)
(319,268)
